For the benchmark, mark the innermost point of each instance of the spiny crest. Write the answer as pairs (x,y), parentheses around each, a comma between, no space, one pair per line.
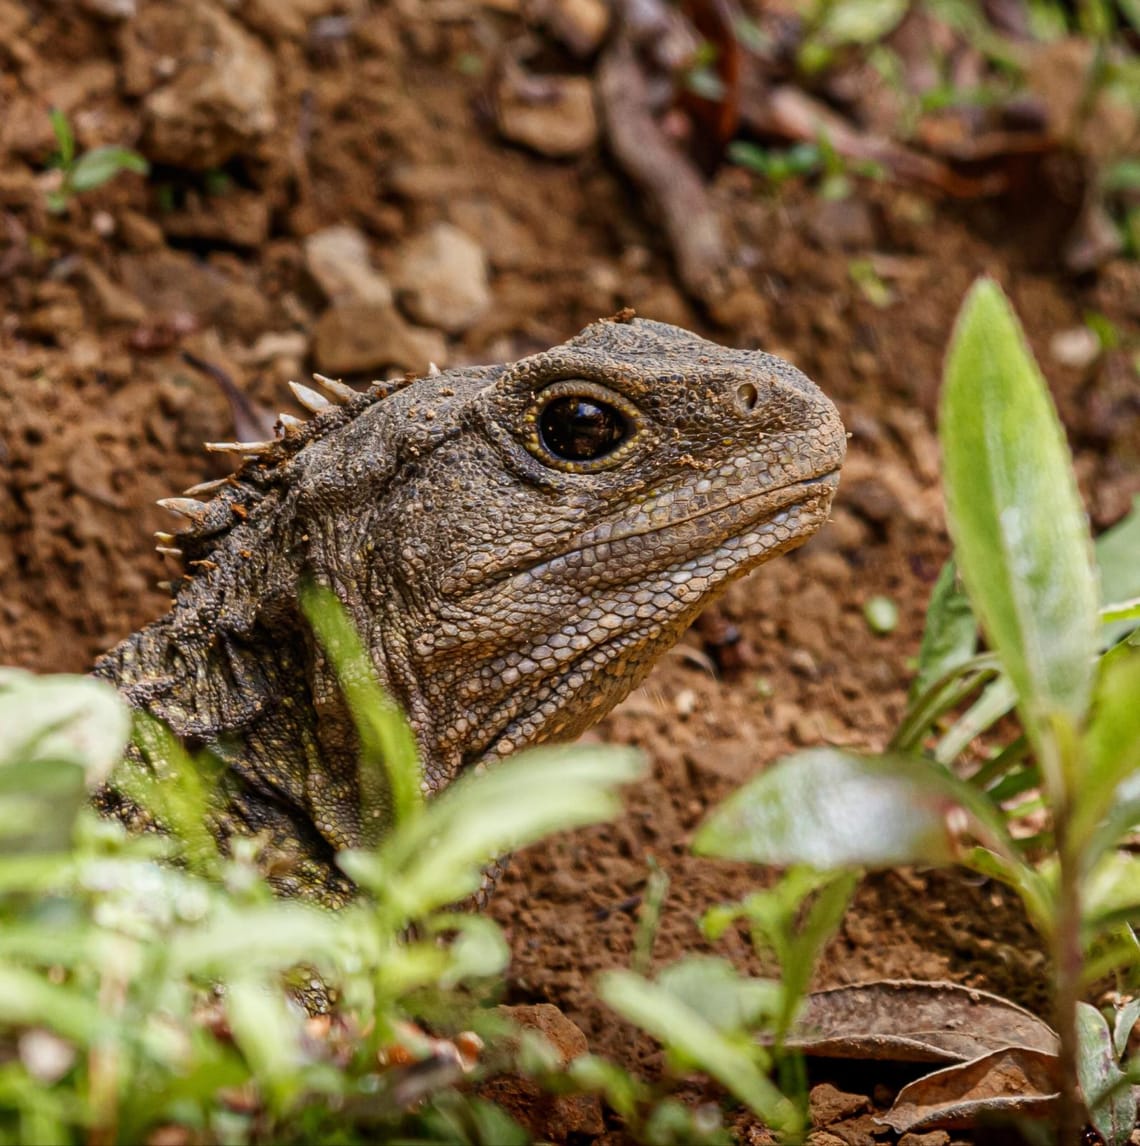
(211,508)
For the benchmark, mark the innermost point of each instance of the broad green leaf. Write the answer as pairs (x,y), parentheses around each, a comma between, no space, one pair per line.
(1116,554)
(861,21)
(479,948)
(1126,611)
(688,1034)
(1111,1104)
(1112,891)
(950,635)
(1126,1018)
(95,167)
(74,719)
(438,858)
(1021,538)
(713,987)
(830,808)
(996,700)
(1112,754)
(260,939)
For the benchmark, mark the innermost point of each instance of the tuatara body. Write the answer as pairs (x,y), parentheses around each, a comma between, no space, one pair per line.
(515,544)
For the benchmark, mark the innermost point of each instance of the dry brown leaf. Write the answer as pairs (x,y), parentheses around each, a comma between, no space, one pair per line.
(908,1021)
(1007,1083)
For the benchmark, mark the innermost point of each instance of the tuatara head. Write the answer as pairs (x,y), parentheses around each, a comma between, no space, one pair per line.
(523,545)
(517,545)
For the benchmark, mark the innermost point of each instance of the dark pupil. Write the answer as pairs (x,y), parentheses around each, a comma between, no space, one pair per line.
(578,430)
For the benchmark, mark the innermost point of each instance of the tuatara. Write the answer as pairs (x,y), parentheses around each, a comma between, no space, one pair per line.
(515,544)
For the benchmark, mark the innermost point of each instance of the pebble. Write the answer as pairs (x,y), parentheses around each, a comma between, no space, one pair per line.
(580,24)
(219,99)
(441,276)
(553,115)
(340,264)
(1078,347)
(829,1104)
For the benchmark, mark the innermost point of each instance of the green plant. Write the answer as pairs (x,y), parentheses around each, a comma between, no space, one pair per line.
(142,978)
(710,1017)
(1070,667)
(89,170)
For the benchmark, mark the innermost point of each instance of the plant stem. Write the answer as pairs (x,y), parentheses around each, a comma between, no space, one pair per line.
(1067,968)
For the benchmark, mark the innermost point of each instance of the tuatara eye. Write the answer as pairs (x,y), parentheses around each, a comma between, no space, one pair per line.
(581,429)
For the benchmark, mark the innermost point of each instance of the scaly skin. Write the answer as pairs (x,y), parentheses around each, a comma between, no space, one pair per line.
(510,587)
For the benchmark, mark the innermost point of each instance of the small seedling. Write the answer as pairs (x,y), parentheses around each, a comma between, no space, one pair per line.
(87,171)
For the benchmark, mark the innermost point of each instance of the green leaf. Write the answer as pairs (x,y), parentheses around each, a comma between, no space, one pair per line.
(259,940)
(59,735)
(72,719)
(478,950)
(726,999)
(64,136)
(996,700)
(1021,538)
(95,167)
(1111,1105)
(830,808)
(438,858)
(389,767)
(1126,1018)
(861,21)
(1121,611)
(1106,801)
(687,1033)
(950,635)
(1116,551)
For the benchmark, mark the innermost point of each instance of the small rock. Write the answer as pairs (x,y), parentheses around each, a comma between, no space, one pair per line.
(547,1118)
(442,278)
(828,1104)
(553,115)
(217,84)
(802,662)
(580,24)
(287,18)
(361,337)
(338,259)
(112,9)
(931,1138)
(273,345)
(1077,347)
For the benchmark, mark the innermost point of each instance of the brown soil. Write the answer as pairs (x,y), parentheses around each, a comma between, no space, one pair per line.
(381,123)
